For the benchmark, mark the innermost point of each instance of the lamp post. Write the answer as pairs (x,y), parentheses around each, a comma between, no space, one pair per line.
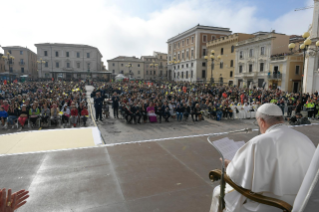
(174,62)
(9,59)
(41,62)
(153,65)
(304,47)
(212,57)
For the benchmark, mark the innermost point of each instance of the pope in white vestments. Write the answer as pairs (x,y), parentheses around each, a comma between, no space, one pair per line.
(272,164)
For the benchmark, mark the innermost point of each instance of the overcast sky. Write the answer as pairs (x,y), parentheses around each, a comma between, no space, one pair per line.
(139,27)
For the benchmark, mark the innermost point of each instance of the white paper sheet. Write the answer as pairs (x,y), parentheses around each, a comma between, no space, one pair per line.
(227,147)
(240,143)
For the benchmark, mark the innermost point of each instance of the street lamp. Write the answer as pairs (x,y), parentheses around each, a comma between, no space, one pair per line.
(174,62)
(41,62)
(212,57)
(154,65)
(9,59)
(304,47)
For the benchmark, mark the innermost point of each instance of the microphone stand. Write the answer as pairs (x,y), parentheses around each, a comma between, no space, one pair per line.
(222,179)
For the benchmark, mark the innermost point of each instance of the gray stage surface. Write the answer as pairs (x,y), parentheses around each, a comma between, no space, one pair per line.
(166,176)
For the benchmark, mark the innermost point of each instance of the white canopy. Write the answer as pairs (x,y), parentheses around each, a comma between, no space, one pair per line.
(120,76)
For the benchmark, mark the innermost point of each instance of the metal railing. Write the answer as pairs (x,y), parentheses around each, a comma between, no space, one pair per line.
(277,58)
(21,63)
(277,76)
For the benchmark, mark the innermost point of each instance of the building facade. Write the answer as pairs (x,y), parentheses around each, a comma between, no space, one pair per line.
(69,61)
(132,67)
(155,66)
(221,71)
(187,50)
(252,64)
(25,61)
(2,64)
(311,73)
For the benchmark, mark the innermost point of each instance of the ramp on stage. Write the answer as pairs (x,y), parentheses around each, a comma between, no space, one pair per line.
(49,140)
(166,176)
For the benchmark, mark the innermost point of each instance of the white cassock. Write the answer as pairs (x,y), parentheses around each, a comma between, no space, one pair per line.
(272,164)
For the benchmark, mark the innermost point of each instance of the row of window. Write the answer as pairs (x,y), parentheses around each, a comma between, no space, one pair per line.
(122,72)
(261,68)
(138,65)
(251,52)
(232,49)
(250,68)
(182,43)
(67,54)
(184,56)
(68,65)
(181,75)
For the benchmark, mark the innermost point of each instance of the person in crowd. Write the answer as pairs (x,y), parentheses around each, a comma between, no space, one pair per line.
(65,114)
(5,105)
(158,111)
(298,120)
(84,115)
(179,111)
(212,110)
(55,114)
(98,102)
(23,117)
(165,111)
(187,110)
(3,116)
(310,108)
(115,105)
(151,113)
(13,114)
(45,114)
(135,109)
(196,112)
(74,115)
(34,114)
(106,109)
(290,106)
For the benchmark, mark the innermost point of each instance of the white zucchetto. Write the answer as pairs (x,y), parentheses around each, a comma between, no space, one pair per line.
(270,110)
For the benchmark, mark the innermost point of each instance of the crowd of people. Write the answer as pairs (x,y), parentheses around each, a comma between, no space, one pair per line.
(141,101)
(42,104)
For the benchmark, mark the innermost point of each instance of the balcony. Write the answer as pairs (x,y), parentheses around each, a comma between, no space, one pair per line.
(274,76)
(277,58)
(21,63)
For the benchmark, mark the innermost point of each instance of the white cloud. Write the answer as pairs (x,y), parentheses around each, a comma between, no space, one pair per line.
(105,25)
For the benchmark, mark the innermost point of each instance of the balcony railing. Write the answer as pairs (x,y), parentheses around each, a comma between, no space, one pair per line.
(21,63)
(277,58)
(274,76)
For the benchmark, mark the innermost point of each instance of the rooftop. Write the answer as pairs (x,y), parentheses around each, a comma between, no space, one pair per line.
(227,30)
(67,44)
(16,47)
(126,58)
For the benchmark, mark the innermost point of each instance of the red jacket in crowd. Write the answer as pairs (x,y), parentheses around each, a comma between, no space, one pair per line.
(74,112)
(84,112)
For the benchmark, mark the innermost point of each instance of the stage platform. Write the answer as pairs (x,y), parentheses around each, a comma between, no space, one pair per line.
(49,140)
(163,175)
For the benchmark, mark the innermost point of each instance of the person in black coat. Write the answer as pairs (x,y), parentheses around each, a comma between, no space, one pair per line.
(290,106)
(158,111)
(165,111)
(115,105)
(98,102)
